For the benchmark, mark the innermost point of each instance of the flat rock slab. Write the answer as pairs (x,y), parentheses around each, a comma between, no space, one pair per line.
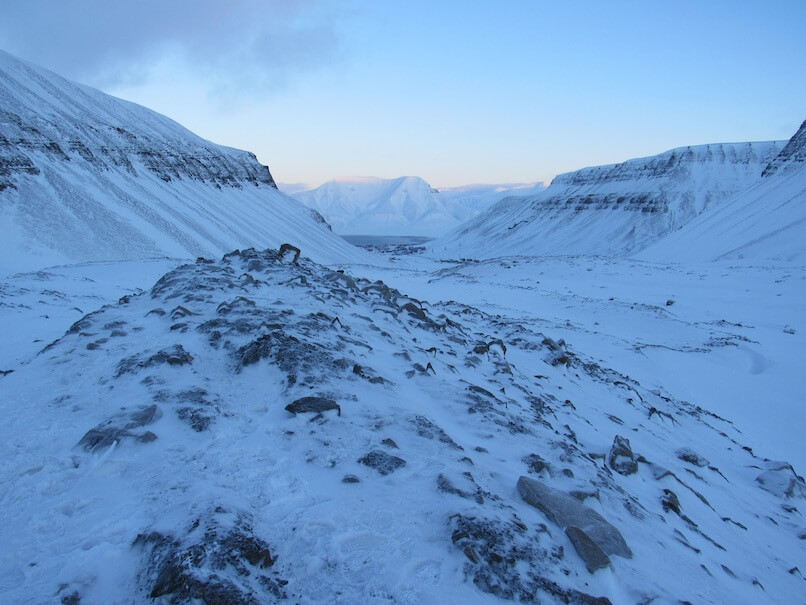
(594,557)
(313,404)
(566,511)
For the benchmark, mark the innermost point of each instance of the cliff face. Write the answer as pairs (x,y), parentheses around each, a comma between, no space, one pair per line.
(615,209)
(792,156)
(85,177)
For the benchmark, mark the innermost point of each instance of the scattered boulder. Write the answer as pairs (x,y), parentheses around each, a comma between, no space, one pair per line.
(565,511)
(350,479)
(382,462)
(535,463)
(688,455)
(594,557)
(286,248)
(119,427)
(313,404)
(621,458)
(670,501)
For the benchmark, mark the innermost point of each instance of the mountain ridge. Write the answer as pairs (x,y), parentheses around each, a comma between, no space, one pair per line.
(85,176)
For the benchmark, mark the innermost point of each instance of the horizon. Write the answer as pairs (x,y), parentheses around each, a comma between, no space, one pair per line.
(455,95)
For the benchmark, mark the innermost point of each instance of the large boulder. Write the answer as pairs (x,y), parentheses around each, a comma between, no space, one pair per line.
(621,459)
(566,511)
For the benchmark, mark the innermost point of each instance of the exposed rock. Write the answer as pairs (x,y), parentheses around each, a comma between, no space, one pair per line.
(390,443)
(313,404)
(621,458)
(215,561)
(382,462)
(174,356)
(781,480)
(119,426)
(670,501)
(429,430)
(564,510)
(350,479)
(286,248)
(591,553)
(692,457)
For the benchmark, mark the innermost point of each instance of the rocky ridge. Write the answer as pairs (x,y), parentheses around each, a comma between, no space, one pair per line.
(271,429)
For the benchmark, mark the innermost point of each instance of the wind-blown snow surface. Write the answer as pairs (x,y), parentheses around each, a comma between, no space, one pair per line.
(148,453)
(86,177)
(372,206)
(612,210)
(767,221)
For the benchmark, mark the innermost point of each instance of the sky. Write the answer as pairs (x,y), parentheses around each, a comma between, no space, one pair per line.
(456,92)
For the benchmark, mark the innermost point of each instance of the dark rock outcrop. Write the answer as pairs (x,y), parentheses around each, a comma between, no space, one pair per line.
(382,462)
(313,404)
(621,458)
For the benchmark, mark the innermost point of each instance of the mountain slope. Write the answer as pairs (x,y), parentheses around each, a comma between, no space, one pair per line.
(765,222)
(372,206)
(85,177)
(612,210)
(255,429)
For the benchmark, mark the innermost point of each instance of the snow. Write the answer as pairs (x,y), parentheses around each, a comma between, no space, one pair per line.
(74,516)
(403,206)
(87,177)
(146,450)
(614,210)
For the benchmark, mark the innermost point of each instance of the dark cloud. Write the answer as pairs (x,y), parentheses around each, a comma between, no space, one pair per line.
(257,44)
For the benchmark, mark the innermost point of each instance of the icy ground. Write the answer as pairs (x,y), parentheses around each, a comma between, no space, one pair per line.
(148,452)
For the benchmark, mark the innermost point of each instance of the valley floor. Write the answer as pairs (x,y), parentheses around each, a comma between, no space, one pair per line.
(725,336)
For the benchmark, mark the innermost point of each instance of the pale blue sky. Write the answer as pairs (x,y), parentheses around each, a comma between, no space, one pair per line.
(453,91)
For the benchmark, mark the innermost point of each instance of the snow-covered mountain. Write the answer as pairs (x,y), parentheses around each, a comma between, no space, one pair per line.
(372,206)
(257,429)
(479,197)
(767,221)
(616,209)
(85,176)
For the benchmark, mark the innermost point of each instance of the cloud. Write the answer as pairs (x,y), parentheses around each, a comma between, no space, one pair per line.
(235,44)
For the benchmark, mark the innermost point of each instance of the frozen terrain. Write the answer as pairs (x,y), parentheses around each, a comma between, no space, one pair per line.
(256,429)
(87,177)
(468,422)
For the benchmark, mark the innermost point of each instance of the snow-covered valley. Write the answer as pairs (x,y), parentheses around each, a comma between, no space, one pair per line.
(559,402)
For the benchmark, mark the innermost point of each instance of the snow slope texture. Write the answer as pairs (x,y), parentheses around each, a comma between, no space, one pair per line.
(612,210)
(765,222)
(86,177)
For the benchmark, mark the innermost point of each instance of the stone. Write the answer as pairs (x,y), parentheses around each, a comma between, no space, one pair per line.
(688,455)
(382,462)
(390,443)
(564,510)
(670,501)
(590,552)
(313,404)
(621,458)
(781,480)
(350,479)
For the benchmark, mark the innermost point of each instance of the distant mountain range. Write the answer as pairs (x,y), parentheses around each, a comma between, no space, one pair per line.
(403,206)
(696,203)
(86,177)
